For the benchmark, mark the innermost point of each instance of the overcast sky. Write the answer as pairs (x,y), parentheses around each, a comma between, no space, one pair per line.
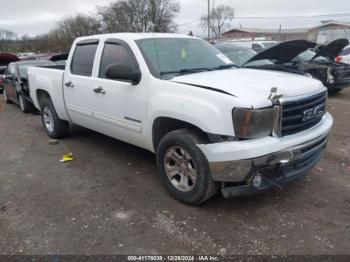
(34,17)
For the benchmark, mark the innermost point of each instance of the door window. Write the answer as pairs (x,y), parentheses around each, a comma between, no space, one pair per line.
(83,59)
(115,53)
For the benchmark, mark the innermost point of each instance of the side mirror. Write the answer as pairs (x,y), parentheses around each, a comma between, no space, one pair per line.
(123,73)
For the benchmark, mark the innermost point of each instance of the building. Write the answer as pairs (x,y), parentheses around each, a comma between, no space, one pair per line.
(326,32)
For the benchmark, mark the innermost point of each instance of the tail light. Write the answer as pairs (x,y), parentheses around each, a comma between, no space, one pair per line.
(338,59)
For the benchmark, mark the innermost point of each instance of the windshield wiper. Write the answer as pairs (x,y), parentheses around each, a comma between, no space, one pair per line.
(187,71)
(222,67)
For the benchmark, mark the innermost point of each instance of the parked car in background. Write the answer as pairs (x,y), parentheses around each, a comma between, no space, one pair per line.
(256,46)
(16,88)
(239,55)
(27,56)
(295,57)
(5,59)
(344,56)
(213,126)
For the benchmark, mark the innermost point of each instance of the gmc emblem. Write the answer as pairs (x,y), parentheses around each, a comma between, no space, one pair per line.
(313,113)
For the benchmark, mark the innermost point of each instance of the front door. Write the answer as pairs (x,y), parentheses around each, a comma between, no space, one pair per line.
(119,107)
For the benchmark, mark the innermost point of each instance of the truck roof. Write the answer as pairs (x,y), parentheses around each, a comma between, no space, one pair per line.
(134,36)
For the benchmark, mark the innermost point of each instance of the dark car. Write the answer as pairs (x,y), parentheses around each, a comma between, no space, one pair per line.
(296,57)
(5,59)
(16,89)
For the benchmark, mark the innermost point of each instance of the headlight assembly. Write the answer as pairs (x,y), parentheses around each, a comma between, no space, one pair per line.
(250,123)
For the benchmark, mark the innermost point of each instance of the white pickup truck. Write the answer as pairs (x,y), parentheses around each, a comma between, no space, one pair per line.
(212,125)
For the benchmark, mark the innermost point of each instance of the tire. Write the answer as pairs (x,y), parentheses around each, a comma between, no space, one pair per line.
(7,101)
(184,142)
(55,127)
(25,106)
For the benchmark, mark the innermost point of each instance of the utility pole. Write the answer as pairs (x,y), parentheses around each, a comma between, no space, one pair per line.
(209,20)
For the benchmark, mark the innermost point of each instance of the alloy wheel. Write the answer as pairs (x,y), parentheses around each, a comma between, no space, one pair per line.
(180,169)
(48,119)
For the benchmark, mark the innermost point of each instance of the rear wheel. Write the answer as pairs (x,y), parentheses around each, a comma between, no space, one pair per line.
(25,106)
(55,127)
(184,169)
(7,101)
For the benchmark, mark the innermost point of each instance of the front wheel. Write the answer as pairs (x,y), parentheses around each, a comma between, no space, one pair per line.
(55,127)
(184,169)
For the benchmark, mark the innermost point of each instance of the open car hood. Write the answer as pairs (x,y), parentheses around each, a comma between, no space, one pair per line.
(5,59)
(283,52)
(332,50)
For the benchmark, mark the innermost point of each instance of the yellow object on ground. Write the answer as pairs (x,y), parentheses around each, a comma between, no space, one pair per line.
(67,158)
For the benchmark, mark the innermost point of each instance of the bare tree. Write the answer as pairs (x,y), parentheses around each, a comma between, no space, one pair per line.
(120,16)
(162,14)
(139,15)
(6,38)
(221,18)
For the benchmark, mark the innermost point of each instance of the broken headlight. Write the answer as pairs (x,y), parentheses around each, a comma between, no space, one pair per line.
(253,123)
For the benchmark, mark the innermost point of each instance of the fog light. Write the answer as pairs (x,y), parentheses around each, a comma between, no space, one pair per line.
(257,181)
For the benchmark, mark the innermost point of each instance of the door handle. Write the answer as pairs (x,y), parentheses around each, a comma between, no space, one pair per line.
(100,90)
(69,84)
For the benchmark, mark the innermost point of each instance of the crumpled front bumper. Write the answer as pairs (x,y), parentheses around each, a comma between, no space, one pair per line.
(277,160)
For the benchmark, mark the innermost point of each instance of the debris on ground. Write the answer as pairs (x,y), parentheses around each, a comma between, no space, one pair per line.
(67,158)
(53,142)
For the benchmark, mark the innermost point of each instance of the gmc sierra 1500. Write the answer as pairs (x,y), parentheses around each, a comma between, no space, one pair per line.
(212,125)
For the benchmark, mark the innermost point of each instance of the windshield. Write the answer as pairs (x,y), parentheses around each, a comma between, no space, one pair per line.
(269,44)
(169,57)
(239,57)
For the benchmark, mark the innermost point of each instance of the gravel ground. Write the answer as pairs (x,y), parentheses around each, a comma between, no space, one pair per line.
(110,200)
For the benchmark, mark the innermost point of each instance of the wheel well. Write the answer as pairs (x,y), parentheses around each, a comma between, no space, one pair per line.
(42,96)
(165,125)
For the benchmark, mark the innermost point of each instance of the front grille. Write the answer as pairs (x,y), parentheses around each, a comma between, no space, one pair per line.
(303,114)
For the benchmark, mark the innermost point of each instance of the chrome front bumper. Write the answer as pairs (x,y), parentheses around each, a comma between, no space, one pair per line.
(239,170)
(235,161)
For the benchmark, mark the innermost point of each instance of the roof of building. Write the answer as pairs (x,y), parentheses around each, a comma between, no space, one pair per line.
(283,30)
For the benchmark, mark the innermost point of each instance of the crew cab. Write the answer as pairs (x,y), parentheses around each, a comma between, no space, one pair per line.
(213,126)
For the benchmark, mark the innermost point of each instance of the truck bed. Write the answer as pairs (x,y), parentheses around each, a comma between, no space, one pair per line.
(50,80)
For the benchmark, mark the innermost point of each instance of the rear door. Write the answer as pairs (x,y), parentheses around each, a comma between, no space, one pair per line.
(78,83)
(119,107)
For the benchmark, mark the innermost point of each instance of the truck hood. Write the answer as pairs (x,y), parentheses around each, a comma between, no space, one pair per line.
(283,52)
(332,50)
(251,86)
